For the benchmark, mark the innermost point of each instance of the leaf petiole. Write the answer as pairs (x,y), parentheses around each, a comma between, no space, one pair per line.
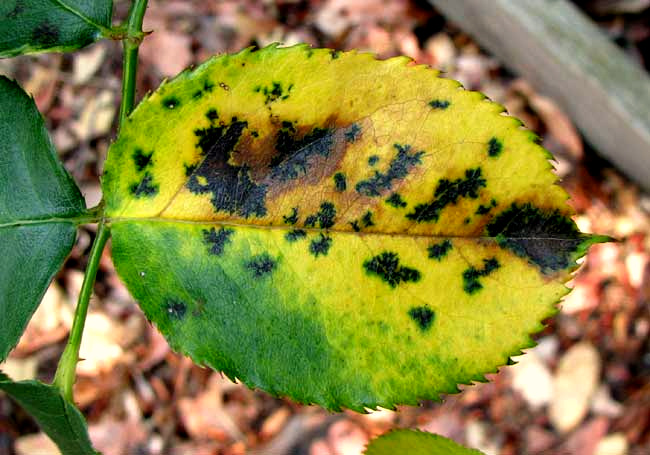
(65,372)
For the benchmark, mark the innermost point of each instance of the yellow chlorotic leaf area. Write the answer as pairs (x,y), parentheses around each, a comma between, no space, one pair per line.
(337,229)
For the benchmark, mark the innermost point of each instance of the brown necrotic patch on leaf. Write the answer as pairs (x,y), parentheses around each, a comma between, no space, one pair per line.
(231,187)
(546,238)
(294,151)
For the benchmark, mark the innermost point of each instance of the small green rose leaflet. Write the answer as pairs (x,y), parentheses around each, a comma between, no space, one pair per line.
(39,209)
(300,249)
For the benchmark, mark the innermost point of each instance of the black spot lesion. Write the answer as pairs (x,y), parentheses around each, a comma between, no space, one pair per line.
(399,167)
(484,209)
(292,218)
(334,54)
(212,114)
(340,182)
(372,160)
(216,240)
(189,168)
(293,150)
(320,245)
(471,283)
(423,316)
(274,92)
(45,34)
(495,147)
(294,235)
(231,186)
(324,218)
(261,265)
(171,102)
(395,200)
(440,104)
(353,133)
(546,238)
(365,222)
(175,308)
(447,193)
(18,9)
(439,250)
(145,187)
(387,267)
(142,159)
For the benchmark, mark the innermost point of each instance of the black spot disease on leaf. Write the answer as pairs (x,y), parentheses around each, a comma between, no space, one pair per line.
(399,168)
(366,219)
(335,54)
(141,159)
(45,34)
(216,240)
(439,250)
(495,147)
(232,188)
(175,309)
(293,152)
(171,102)
(18,9)
(320,245)
(324,217)
(212,114)
(396,201)
(471,276)
(386,266)
(274,92)
(295,235)
(292,218)
(145,188)
(189,168)
(372,160)
(340,182)
(448,192)
(261,265)
(440,104)
(485,209)
(352,133)
(546,238)
(423,316)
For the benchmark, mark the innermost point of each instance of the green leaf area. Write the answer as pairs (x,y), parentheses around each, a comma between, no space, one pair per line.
(31,26)
(58,418)
(337,229)
(38,205)
(413,442)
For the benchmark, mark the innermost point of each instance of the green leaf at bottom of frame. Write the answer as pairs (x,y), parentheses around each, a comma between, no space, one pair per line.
(58,418)
(414,442)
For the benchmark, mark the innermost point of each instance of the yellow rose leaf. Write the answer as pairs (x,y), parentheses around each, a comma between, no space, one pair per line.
(337,229)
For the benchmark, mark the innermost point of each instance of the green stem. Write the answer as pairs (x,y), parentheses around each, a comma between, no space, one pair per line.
(131,45)
(65,372)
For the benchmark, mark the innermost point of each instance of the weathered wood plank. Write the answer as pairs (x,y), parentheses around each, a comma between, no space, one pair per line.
(556,47)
